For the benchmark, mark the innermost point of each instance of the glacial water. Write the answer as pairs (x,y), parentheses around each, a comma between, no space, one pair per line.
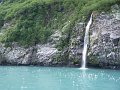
(49,78)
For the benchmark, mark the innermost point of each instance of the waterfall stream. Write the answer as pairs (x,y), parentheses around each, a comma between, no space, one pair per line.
(86,41)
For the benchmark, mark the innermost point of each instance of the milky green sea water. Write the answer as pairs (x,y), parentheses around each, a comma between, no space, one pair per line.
(49,78)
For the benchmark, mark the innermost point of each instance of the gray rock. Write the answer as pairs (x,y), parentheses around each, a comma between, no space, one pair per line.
(45,53)
(24,56)
(105,40)
(76,44)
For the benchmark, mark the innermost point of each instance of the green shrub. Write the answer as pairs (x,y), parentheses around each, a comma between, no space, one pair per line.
(35,20)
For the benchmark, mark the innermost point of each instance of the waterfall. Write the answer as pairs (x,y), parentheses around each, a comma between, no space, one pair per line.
(86,40)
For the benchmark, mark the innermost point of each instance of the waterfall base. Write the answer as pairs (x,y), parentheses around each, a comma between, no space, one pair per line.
(83,68)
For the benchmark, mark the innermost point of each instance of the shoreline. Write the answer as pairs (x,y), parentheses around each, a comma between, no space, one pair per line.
(66,66)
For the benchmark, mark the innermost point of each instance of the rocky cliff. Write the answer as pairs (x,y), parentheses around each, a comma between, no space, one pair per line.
(105,41)
(64,46)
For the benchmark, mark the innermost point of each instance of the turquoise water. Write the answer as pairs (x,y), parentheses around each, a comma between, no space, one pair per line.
(46,78)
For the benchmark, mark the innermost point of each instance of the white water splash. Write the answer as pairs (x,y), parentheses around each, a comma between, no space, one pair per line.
(86,40)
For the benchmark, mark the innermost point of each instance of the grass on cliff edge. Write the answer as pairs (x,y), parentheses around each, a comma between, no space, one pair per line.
(33,21)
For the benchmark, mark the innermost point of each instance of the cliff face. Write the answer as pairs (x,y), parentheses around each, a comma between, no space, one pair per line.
(104,47)
(59,39)
(37,55)
(76,44)
(105,41)
(40,54)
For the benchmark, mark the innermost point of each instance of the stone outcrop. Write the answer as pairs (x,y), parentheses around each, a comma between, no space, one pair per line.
(105,41)
(76,44)
(36,55)
(40,54)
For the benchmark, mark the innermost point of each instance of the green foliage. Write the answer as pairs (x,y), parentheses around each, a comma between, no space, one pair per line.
(1,22)
(33,21)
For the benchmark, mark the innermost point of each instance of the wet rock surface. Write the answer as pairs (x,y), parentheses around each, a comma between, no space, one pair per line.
(76,44)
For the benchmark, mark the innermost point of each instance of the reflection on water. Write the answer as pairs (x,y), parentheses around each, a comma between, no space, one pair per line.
(44,78)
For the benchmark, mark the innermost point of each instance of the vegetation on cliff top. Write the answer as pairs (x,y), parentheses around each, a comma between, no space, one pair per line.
(29,22)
